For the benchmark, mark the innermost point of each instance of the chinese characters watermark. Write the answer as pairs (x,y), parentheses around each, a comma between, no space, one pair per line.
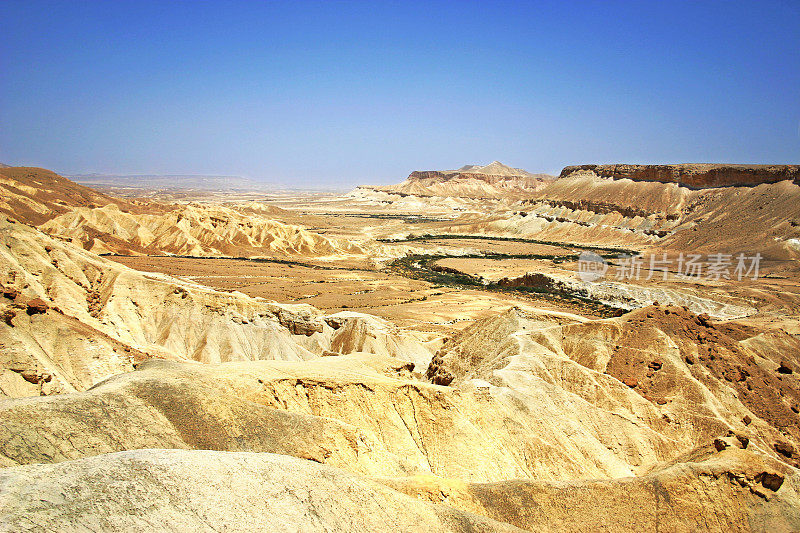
(716,266)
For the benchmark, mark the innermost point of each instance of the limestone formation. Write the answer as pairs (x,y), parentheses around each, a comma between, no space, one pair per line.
(494,180)
(695,175)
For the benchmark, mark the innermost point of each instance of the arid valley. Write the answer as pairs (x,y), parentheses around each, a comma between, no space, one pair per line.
(616,348)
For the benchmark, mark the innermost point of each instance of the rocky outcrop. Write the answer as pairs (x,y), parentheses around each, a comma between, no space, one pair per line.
(694,175)
(35,195)
(37,306)
(752,487)
(495,180)
(700,373)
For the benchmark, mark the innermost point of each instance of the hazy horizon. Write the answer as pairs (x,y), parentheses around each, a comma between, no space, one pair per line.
(333,95)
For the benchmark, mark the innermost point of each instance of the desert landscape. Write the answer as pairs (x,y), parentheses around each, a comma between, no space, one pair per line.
(432,353)
(399,267)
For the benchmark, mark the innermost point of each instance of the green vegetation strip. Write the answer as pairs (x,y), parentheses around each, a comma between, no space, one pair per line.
(423,267)
(405,218)
(251,259)
(601,250)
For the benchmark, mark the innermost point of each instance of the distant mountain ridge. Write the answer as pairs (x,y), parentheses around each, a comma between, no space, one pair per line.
(35,195)
(103,223)
(166,181)
(494,180)
(495,168)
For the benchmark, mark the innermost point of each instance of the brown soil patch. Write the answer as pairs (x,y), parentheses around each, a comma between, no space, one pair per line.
(711,348)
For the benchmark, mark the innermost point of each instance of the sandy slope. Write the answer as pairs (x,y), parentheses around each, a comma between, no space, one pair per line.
(170,490)
(554,437)
(104,224)
(103,317)
(200,230)
(209,490)
(691,378)
(35,195)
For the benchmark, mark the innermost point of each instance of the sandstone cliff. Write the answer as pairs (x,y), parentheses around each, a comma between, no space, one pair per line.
(494,180)
(584,208)
(694,175)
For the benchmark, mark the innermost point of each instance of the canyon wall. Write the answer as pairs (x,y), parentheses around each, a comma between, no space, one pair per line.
(492,179)
(696,176)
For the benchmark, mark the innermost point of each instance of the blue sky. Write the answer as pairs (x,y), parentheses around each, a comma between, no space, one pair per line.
(341,93)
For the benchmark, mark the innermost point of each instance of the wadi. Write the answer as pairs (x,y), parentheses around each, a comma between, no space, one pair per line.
(483,349)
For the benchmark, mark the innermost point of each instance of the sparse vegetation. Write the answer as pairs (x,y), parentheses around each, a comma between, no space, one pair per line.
(600,250)
(423,267)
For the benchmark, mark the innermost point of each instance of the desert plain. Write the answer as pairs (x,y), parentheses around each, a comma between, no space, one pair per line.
(616,348)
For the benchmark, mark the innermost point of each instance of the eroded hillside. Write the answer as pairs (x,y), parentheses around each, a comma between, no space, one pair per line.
(494,180)
(71,319)
(498,392)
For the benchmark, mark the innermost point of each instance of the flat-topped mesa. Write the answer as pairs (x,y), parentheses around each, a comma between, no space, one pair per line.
(494,172)
(694,175)
(494,180)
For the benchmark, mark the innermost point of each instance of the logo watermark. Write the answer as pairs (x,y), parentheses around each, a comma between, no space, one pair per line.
(718,266)
(591,266)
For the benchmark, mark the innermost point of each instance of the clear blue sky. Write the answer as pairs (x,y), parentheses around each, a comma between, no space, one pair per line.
(339,93)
